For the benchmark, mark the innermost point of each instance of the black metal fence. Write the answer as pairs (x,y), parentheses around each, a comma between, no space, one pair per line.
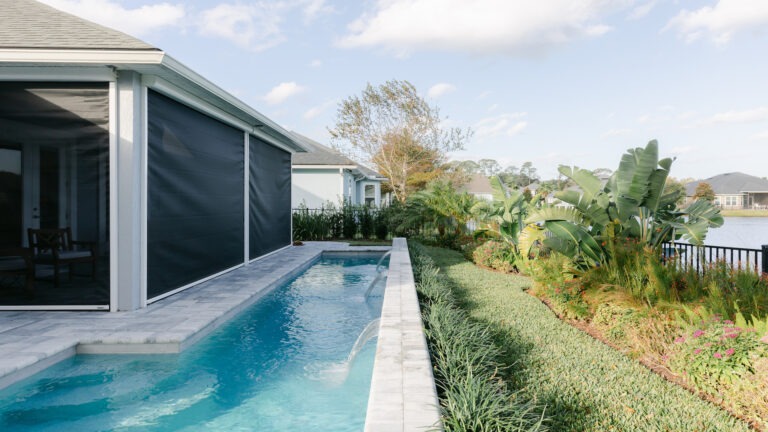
(701,257)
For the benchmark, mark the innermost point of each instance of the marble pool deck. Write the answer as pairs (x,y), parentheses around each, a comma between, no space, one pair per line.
(402,398)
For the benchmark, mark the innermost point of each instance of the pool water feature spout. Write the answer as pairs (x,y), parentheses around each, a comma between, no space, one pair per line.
(379,276)
(379,267)
(337,372)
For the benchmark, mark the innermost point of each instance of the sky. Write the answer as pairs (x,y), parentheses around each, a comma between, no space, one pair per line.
(572,82)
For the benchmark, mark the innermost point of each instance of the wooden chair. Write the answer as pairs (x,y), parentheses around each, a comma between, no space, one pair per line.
(18,262)
(55,247)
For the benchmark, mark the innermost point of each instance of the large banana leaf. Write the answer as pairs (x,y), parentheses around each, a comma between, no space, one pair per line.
(499,190)
(593,209)
(701,215)
(590,185)
(633,178)
(702,209)
(528,237)
(586,246)
(544,214)
(656,184)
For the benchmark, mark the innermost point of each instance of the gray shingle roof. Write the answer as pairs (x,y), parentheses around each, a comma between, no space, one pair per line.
(32,25)
(731,184)
(318,154)
(478,184)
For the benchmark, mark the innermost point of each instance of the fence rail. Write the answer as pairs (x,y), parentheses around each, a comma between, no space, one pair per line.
(700,257)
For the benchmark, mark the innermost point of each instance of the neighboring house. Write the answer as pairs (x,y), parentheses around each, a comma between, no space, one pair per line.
(322,175)
(478,185)
(735,191)
(173,179)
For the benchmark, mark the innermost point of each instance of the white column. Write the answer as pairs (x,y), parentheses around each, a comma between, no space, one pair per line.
(129,274)
(377,194)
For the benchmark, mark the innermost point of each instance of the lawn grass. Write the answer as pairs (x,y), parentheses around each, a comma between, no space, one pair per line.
(585,385)
(744,213)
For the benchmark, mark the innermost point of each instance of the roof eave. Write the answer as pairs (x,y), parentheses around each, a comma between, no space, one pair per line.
(147,61)
(38,56)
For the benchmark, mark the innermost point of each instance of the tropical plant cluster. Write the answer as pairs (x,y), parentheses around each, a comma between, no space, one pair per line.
(466,362)
(585,385)
(603,256)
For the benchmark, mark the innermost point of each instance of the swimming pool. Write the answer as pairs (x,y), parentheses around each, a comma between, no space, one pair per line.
(280,365)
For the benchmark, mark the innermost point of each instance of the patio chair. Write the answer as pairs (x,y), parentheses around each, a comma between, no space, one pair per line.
(18,262)
(55,247)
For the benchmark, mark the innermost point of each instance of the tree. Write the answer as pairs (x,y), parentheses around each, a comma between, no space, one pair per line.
(676,187)
(489,167)
(704,191)
(395,129)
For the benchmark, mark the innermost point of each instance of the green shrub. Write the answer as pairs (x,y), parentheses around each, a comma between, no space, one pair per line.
(466,362)
(586,385)
(497,255)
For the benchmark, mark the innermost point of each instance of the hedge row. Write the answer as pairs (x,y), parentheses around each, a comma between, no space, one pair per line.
(466,362)
(585,385)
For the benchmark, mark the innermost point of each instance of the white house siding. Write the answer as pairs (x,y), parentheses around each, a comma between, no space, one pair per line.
(315,187)
(349,187)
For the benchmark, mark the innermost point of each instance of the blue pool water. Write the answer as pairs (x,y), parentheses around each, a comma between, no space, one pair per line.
(279,366)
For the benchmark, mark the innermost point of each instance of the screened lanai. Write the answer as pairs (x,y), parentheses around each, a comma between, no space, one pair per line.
(54,171)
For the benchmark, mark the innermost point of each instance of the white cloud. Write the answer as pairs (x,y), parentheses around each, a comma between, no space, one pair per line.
(319,109)
(136,22)
(493,107)
(722,21)
(761,136)
(511,27)
(745,116)
(508,124)
(316,63)
(643,119)
(440,89)
(254,26)
(642,10)
(682,150)
(483,95)
(616,132)
(311,9)
(283,91)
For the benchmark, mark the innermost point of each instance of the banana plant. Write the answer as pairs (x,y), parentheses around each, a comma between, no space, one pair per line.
(630,205)
(505,216)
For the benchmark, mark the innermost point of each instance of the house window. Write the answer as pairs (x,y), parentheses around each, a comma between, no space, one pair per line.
(370,195)
(732,200)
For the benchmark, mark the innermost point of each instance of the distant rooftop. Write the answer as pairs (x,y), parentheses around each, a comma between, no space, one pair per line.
(319,154)
(28,24)
(478,184)
(731,184)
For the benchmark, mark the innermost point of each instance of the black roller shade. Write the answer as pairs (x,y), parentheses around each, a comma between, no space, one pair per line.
(270,198)
(195,196)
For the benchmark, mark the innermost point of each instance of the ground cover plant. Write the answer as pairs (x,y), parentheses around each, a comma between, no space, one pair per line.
(466,362)
(706,331)
(586,385)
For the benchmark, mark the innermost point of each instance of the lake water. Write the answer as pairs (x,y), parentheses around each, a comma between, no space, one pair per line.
(745,232)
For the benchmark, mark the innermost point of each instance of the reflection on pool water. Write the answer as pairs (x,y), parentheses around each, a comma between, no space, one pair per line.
(279,366)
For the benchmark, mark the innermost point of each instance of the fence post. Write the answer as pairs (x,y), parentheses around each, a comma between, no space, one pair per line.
(764,260)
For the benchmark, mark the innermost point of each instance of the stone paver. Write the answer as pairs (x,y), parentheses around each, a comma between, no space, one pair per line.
(403,397)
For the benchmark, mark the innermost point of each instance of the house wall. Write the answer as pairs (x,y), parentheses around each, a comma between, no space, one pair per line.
(314,188)
(730,201)
(350,195)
